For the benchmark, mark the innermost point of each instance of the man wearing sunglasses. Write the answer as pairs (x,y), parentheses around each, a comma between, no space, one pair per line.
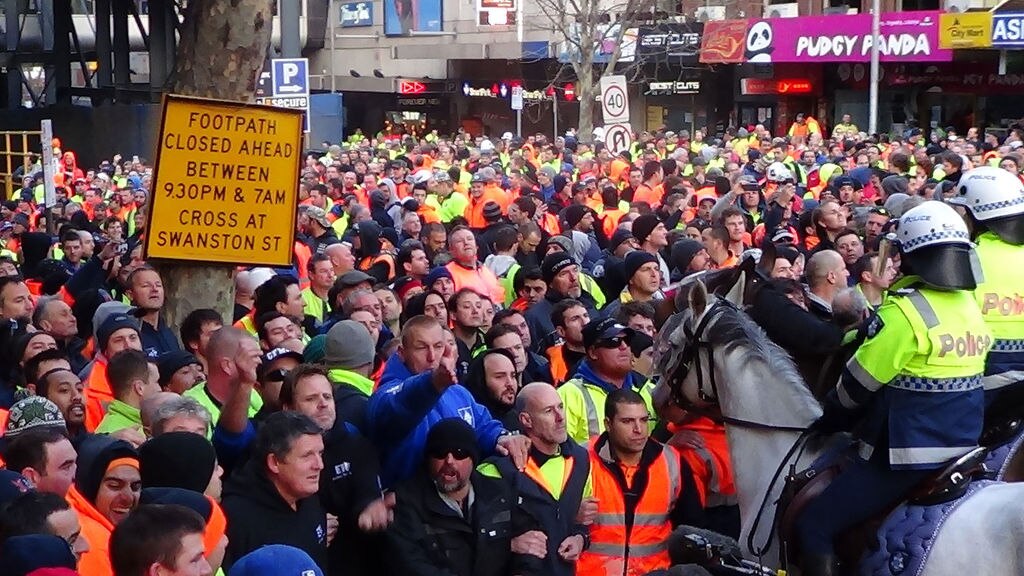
(608,366)
(450,519)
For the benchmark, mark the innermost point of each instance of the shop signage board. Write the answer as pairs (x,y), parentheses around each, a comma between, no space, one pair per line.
(761,86)
(965,30)
(669,42)
(614,99)
(905,37)
(224,183)
(496,12)
(289,86)
(618,137)
(723,42)
(356,14)
(517,97)
(672,88)
(1008,30)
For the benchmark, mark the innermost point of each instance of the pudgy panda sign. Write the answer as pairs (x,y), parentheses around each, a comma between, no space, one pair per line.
(904,37)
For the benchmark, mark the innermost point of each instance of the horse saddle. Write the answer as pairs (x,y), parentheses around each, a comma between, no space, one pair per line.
(801,488)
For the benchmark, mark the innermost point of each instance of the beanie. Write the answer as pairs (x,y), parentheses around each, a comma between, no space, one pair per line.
(636,259)
(12,485)
(492,211)
(95,453)
(573,214)
(435,275)
(177,460)
(643,226)
(211,512)
(452,434)
(618,237)
(559,183)
(348,345)
(27,553)
(170,362)
(33,412)
(553,264)
(275,560)
(315,349)
(563,242)
(112,324)
(683,252)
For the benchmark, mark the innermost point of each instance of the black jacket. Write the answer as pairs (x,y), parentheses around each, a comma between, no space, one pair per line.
(258,515)
(350,481)
(808,339)
(428,538)
(536,506)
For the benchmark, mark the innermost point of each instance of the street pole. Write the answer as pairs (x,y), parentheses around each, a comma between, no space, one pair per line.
(876,16)
(554,112)
(330,26)
(49,190)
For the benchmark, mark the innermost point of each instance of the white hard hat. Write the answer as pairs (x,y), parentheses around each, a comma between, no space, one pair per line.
(931,224)
(506,136)
(777,172)
(989,192)
(486,146)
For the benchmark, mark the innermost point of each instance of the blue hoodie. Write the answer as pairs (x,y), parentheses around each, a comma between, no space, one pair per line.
(405,406)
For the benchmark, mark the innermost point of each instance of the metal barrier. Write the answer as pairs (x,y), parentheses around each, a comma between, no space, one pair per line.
(19,148)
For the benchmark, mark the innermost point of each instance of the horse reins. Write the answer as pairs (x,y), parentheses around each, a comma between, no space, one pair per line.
(691,354)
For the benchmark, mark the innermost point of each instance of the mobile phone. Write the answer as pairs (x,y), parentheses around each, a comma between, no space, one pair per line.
(121,249)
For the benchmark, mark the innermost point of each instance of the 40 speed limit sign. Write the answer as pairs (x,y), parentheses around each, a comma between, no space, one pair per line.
(614,100)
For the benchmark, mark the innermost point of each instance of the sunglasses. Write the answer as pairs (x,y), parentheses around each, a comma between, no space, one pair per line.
(442,454)
(879,211)
(612,342)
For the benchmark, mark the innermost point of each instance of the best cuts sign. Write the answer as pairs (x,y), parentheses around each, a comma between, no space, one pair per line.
(905,37)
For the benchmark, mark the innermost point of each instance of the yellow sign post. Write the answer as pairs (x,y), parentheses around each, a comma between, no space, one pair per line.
(965,30)
(225,183)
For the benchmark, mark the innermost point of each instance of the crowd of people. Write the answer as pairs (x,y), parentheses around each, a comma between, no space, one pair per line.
(455,375)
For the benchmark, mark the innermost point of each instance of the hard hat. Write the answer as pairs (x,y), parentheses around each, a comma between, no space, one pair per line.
(777,172)
(931,224)
(989,192)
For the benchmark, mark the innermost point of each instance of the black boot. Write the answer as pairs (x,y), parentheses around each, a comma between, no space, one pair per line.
(819,565)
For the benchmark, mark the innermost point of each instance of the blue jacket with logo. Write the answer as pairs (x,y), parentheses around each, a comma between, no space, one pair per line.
(406,405)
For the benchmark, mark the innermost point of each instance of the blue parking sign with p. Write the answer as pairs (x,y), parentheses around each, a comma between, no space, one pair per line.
(290,76)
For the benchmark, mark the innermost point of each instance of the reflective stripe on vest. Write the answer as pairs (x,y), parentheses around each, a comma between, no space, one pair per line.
(642,548)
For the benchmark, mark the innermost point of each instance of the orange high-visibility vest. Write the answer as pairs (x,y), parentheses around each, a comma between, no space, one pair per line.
(97,395)
(302,257)
(711,465)
(366,263)
(616,551)
(559,367)
(610,220)
(96,529)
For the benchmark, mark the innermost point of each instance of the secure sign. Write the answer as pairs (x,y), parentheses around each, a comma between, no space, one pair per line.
(289,82)
(1008,30)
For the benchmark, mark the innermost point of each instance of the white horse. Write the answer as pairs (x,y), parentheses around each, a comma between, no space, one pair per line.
(765,403)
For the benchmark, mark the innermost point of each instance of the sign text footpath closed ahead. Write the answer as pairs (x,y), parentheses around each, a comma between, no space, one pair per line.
(224,189)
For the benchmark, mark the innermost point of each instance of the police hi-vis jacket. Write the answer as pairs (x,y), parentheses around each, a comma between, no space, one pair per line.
(919,374)
(1002,306)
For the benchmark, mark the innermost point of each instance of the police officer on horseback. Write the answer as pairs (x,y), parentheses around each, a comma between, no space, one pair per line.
(912,393)
(993,203)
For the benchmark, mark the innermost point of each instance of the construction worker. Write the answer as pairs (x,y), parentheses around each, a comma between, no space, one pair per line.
(643,490)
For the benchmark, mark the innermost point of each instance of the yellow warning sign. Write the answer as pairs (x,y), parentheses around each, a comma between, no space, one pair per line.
(966,30)
(225,183)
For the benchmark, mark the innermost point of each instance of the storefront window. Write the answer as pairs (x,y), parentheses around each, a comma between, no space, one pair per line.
(406,122)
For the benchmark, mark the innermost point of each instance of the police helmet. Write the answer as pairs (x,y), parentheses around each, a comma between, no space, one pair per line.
(995,198)
(935,245)
(777,172)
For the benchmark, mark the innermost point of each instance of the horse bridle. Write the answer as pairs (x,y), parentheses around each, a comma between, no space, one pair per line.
(691,353)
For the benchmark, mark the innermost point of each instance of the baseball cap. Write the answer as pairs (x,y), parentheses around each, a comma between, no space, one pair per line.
(318,215)
(353,278)
(478,177)
(276,560)
(605,330)
(280,352)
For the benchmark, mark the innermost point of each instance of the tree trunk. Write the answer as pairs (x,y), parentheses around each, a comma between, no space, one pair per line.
(220,55)
(586,91)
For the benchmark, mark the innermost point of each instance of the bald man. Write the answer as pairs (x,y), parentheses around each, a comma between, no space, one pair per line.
(341,258)
(826,275)
(233,357)
(562,510)
(150,405)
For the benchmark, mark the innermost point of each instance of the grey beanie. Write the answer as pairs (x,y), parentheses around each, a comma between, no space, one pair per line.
(348,346)
(894,204)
